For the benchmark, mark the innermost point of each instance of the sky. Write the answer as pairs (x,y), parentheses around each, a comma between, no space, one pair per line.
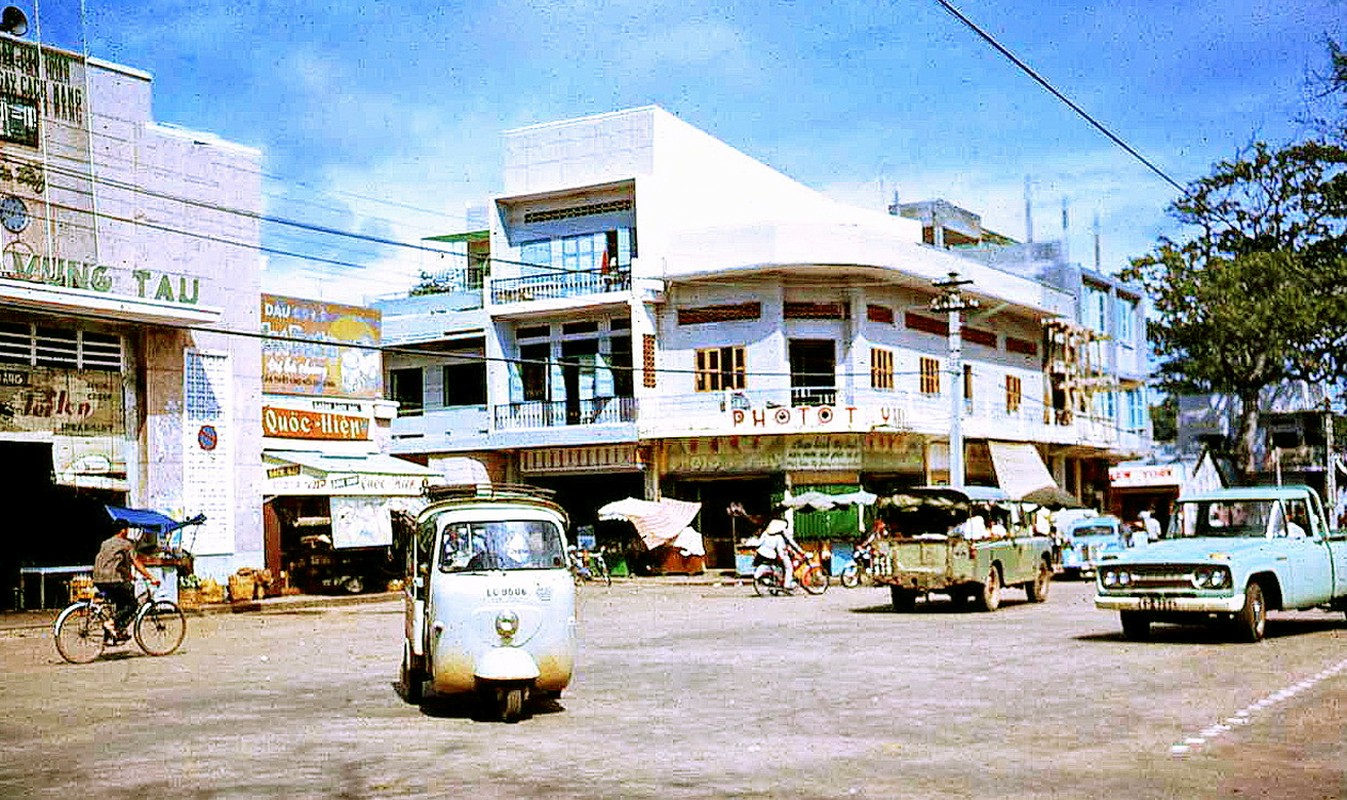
(383,120)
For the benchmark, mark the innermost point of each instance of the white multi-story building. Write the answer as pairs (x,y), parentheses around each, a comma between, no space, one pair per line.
(664,315)
(130,251)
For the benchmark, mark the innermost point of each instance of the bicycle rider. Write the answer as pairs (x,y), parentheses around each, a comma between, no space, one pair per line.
(112,575)
(775,546)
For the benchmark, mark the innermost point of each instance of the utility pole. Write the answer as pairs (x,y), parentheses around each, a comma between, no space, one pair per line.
(951,301)
(1331,477)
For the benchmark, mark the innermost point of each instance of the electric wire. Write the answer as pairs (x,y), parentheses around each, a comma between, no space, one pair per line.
(1085,115)
(465,358)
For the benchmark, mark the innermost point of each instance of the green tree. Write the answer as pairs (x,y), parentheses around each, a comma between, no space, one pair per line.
(1257,293)
(1165,419)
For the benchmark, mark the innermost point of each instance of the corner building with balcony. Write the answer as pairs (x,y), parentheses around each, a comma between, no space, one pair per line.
(665,316)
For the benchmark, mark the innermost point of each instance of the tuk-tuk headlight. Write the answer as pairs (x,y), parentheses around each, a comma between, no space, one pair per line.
(507,624)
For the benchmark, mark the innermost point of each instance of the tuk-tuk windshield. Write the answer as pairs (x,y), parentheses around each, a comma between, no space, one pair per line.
(508,544)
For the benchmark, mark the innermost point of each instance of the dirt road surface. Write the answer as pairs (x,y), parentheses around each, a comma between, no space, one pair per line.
(700,692)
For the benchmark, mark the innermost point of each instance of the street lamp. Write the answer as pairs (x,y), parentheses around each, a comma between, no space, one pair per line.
(951,301)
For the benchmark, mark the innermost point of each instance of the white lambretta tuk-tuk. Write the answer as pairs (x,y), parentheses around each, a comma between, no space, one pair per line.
(490,603)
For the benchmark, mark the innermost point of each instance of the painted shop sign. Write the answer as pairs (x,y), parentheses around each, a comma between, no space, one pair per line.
(348,484)
(61,401)
(43,112)
(842,452)
(598,458)
(1146,475)
(293,423)
(783,419)
(142,284)
(317,348)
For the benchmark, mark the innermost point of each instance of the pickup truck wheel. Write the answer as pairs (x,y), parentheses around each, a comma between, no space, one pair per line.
(1136,625)
(411,679)
(903,599)
(1251,620)
(1037,589)
(989,599)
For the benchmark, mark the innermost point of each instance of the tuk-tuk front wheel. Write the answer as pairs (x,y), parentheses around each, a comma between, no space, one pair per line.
(507,700)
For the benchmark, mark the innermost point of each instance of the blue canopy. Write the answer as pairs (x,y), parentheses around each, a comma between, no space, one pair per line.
(151,521)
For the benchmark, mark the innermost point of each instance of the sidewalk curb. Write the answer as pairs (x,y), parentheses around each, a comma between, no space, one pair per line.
(19,621)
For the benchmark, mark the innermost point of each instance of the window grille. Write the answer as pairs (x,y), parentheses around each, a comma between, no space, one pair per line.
(67,348)
(587,210)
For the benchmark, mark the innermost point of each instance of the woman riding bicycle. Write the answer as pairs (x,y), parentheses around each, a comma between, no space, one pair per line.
(112,575)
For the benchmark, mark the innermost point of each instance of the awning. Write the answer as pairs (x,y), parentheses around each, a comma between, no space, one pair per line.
(302,472)
(1021,473)
(658,522)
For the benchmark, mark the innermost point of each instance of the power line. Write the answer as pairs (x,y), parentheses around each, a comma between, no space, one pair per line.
(1028,70)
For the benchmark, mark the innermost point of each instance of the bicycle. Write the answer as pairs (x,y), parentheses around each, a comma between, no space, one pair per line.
(809,574)
(590,566)
(81,634)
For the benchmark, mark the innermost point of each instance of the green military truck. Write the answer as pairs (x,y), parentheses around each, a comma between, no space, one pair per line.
(967,543)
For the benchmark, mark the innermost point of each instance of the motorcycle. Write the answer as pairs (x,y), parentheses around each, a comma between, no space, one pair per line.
(809,575)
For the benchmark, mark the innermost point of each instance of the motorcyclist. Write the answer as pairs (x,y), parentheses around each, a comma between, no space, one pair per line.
(776,545)
(865,551)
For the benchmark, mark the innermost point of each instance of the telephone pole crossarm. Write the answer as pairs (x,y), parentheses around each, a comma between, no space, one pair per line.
(952,302)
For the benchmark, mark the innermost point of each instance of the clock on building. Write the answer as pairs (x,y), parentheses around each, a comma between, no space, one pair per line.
(13,213)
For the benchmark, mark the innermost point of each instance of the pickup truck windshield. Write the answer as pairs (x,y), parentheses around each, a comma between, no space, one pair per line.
(509,544)
(1237,519)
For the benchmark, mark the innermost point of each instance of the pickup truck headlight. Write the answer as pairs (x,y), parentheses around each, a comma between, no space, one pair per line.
(1211,577)
(1115,578)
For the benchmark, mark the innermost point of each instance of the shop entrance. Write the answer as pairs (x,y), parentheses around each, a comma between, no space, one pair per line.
(720,530)
(583,495)
(49,525)
(300,538)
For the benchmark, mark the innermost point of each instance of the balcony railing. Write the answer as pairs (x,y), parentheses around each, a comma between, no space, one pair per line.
(559,413)
(813,396)
(559,284)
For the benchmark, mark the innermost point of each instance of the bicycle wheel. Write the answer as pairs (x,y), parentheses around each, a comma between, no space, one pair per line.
(160,627)
(851,576)
(79,633)
(814,580)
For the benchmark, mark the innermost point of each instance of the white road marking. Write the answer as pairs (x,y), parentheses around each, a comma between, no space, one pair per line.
(1242,717)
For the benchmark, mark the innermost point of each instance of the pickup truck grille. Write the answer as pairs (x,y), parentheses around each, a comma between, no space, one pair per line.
(1162,576)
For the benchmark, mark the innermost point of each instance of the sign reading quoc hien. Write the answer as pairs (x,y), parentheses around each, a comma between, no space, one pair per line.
(293,423)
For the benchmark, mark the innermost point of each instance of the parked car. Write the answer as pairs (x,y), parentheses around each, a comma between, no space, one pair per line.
(1087,540)
(1230,556)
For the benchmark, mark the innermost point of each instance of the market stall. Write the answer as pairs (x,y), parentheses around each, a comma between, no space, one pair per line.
(663,526)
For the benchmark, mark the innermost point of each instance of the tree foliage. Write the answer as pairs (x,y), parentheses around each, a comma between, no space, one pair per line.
(1257,293)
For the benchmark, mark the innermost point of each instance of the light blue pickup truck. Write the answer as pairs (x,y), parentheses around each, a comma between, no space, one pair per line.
(1230,556)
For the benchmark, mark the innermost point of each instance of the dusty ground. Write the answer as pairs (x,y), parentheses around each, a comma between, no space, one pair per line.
(687,692)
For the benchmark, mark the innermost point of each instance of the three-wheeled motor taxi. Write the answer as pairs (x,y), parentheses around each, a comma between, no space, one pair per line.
(490,603)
